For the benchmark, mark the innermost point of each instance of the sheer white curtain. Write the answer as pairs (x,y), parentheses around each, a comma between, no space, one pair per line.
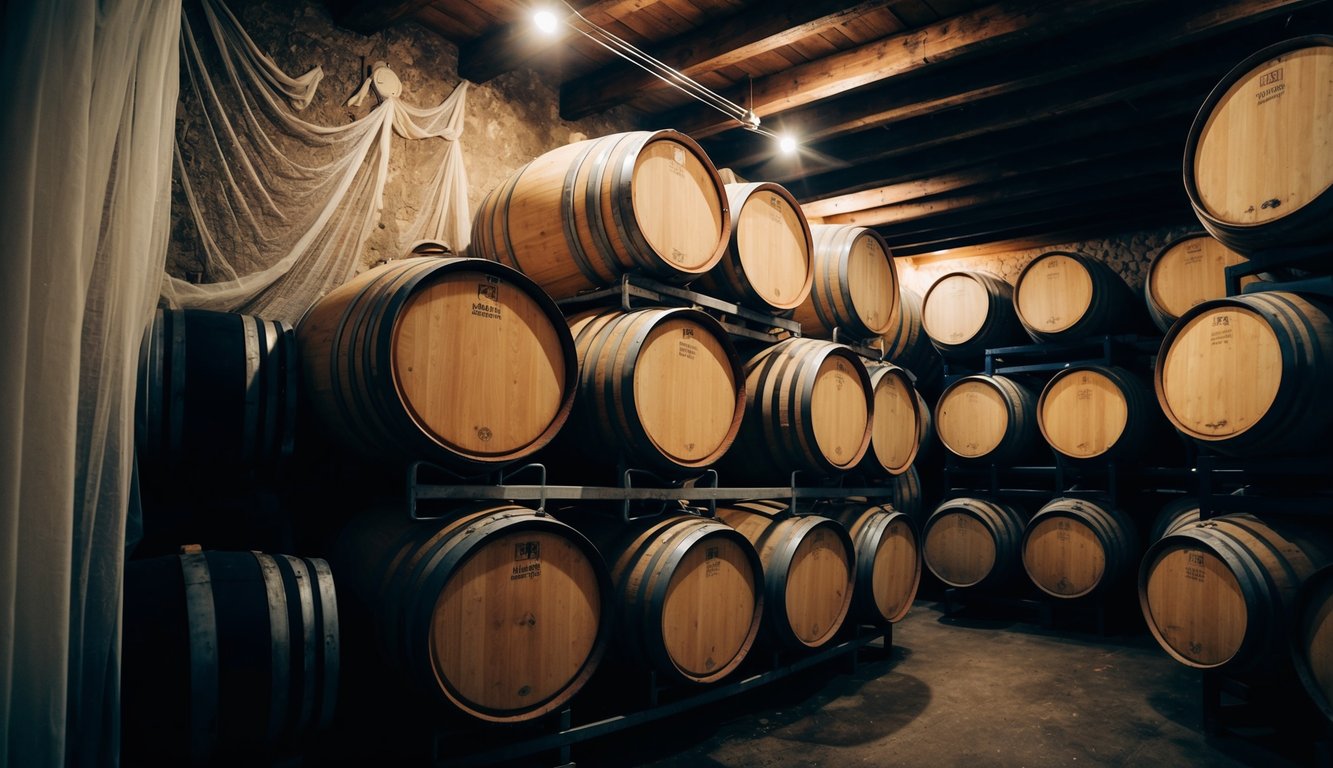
(283,206)
(85,184)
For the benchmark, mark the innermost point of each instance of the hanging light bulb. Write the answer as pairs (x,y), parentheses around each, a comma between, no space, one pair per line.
(546,21)
(787,144)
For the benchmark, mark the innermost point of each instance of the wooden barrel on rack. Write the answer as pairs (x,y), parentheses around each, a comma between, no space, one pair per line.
(1258,171)
(662,389)
(1100,412)
(1220,592)
(855,284)
(808,408)
(463,362)
(1078,547)
(906,344)
(1248,375)
(689,592)
(896,421)
(966,313)
(888,560)
(582,215)
(1062,296)
(928,443)
(1188,271)
(809,571)
(973,543)
(908,496)
(216,394)
(1313,646)
(988,418)
(1174,514)
(497,611)
(769,263)
(227,658)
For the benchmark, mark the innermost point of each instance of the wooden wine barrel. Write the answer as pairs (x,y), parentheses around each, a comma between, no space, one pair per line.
(1061,296)
(689,592)
(855,284)
(1174,514)
(462,362)
(1221,592)
(1249,375)
(582,215)
(1258,170)
(809,571)
(973,543)
(808,408)
(1078,547)
(908,496)
(928,442)
(662,389)
(888,560)
(769,263)
(228,657)
(896,421)
(497,611)
(1100,412)
(966,313)
(1313,646)
(216,394)
(988,418)
(1188,271)
(906,344)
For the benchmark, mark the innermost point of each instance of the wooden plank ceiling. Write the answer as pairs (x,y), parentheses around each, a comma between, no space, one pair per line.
(944,124)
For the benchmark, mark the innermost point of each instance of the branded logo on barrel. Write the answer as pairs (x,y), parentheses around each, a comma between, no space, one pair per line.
(527,560)
(488,299)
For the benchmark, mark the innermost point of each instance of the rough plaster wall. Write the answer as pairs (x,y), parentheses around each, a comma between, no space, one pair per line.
(509,120)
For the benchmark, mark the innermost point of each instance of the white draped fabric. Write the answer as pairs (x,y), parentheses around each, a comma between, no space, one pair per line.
(85,176)
(297,200)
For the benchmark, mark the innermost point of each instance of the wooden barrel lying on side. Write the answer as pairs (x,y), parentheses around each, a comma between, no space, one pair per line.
(1313,646)
(582,215)
(1078,547)
(497,611)
(1188,271)
(227,658)
(769,263)
(661,389)
(966,313)
(216,394)
(1100,412)
(808,408)
(987,418)
(973,543)
(1174,514)
(888,560)
(1258,171)
(463,362)
(908,496)
(1249,375)
(809,571)
(1062,296)
(1220,592)
(855,284)
(906,344)
(689,592)
(896,428)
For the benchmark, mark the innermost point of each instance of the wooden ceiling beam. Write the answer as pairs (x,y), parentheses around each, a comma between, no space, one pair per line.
(512,45)
(1001,26)
(755,30)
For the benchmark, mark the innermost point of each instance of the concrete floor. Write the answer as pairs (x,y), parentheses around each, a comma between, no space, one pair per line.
(973,688)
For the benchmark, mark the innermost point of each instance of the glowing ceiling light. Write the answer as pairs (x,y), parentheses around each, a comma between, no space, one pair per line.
(787,143)
(546,21)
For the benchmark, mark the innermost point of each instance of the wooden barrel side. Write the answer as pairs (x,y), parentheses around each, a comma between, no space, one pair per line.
(1077,547)
(769,263)
(1284,343)
(1063,296)
(888,560)
(987,418)
(1188,271)
(581,215)
(1098,412)
(1219,592)
(896,421)
(1174,514)
(809,571)
(973,543)
(1312,649)
(855,285)
(966,313)
(908,497)
(464,362)
(500,612)
(906,344)
(1256,169)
